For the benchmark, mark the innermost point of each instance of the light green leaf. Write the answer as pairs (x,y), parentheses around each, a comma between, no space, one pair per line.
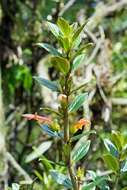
(80,151)
(117,139)
(52,85)
(61,64)
(77,33)
(77,102)
(64,26)
(49,48)
(111,147)
(15,186)
(77,61)
(61,179)
(54,29)
(41,149)
(111,162)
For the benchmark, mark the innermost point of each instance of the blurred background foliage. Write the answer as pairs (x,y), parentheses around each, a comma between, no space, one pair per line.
(22,25)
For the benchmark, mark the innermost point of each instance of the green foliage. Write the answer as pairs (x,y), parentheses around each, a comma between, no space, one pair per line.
(77,102)
(80,151)
(61,179)
(52,85)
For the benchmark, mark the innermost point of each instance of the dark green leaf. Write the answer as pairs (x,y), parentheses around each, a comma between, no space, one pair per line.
(49,48)
(61,179)
(74,138)
(54,29)
(77,61)
(77,102)
(111,162)
(80,151)
(61,64)
(52,85)
(111,147)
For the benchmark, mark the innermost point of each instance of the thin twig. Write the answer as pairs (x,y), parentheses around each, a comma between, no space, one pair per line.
(66,7)
(21,171)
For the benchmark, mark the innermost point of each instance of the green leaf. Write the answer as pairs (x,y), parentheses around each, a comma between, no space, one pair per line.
(80,151)
(124,166)
(61,64)
(74,138)
(64,26)
(61,179)
(49,131)
(77,33)
(97,182)
(77,61)
(111,162)
(117,139)
(77,102)
(49,48)
(111,147)
(46,163)
(64,42)
(54,29)
(41,149)
(125,188)
(15,186)
(52,85)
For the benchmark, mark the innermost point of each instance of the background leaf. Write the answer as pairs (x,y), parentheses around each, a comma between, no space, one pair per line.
(41,149)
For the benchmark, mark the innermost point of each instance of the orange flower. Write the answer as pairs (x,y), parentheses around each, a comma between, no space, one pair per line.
(81,123)
(36,117)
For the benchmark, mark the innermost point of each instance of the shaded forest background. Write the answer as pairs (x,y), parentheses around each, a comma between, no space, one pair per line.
(22,25)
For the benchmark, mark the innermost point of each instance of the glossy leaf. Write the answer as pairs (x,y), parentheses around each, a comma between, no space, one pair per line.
(111,147)
(64,26)
(61,179)
(61,64)
(54,29)
(77,102)
(49,48)
(78,61)
(111,162)
(124,166)
(41,149)
(97,182)
(52,85)
(49,131)
(80,151)
(76,137)
(117,139)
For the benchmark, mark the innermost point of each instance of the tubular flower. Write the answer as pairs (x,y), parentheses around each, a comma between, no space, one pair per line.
(38,118)
(81,123)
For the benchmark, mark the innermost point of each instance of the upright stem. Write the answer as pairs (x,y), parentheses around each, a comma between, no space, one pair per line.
(67,135)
